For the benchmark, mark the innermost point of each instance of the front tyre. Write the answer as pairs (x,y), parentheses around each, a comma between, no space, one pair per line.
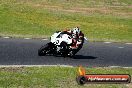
(71,54)
(64,49)
(44,50)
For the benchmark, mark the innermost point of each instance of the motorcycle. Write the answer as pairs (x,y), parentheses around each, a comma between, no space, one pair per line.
(59,45)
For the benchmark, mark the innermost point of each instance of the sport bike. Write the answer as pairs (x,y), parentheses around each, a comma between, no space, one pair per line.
(59,45)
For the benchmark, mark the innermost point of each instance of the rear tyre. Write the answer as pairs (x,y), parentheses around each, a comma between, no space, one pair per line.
(44,50)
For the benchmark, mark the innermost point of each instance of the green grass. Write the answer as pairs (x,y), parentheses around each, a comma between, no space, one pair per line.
(54,77)
(100,20)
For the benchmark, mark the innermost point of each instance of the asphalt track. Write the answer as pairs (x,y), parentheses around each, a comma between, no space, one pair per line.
(24,52)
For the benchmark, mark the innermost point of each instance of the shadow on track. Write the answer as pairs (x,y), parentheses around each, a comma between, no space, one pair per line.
(84,57)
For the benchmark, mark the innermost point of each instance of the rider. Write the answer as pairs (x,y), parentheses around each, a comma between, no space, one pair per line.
(78,38)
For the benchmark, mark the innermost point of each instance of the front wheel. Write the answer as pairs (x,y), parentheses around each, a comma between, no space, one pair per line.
(64,49)
(71,54)
(44,50)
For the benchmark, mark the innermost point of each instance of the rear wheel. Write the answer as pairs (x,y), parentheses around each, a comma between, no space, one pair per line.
(44,50)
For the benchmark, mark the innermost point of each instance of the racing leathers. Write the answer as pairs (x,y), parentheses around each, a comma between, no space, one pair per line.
(78,40)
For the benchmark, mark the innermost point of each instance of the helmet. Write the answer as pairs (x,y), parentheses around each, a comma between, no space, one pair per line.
(76,30)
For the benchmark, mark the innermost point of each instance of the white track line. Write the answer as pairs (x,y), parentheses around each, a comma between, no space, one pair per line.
(118,67)
(128,43)
(44,39)
(120,47)
(126,67)
(35,65)
(114,66)
(56,66)
(6,37)
(107,42)
(27,38)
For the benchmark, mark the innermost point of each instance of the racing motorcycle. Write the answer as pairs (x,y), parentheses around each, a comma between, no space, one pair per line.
(59,45)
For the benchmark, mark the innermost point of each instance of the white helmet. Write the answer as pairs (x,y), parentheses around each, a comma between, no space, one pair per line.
(76,30)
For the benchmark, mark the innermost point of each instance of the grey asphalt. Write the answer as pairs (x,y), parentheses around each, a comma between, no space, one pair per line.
(24,52)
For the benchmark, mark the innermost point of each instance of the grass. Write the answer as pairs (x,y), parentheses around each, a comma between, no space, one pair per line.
(54,77)
(100,20)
